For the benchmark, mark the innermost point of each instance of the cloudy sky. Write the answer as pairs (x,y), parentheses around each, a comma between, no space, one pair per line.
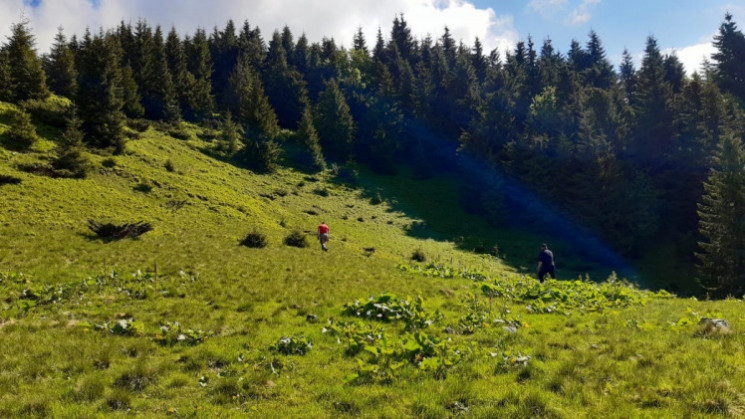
(686,26)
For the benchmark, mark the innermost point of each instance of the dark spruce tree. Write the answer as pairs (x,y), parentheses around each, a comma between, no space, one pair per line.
(284,86)
(26,77)
(334,122)
(722,225)
(729,58)
(71,160)
(310,155)
(201,101)
(158,92)
(5,93)
(255,112)
(229,140)
(99,98)
(59,67)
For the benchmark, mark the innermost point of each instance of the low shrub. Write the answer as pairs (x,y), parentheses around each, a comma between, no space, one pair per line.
(169,166)
(51,111)
(179,133)
(119,231)
(108,162)
(296,239)
(255,240)
(139,125)
(9,180)
(418,256)
(144,187)
(22,132)
(321,192)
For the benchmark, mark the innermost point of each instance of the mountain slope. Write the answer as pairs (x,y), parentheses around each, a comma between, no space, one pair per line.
(89,325)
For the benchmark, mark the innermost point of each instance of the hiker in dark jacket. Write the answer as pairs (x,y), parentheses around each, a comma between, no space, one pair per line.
(546,263)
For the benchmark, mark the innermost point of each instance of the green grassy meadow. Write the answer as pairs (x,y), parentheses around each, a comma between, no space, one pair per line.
(88,326)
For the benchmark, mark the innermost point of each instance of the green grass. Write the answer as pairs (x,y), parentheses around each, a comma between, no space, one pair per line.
(63,356)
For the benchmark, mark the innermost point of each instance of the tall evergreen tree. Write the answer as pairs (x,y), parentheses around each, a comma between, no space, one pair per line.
(730,58)
(5,92)
(254,109)
(99,99)
(59,67)
(653,139)
(285,87)
(334,122)
(359,43)
(25,74)
(311,156)
(158,92)
(201,101)
(722,257)
(176,59)
(627,76)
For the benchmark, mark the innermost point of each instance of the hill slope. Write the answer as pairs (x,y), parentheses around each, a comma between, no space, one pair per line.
(183,321)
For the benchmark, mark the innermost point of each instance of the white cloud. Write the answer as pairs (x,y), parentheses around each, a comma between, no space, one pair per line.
(693,56)
(582,13)
(331,18)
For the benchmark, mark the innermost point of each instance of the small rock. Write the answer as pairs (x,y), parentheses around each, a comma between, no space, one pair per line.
(593,346)
(449,330)
(510,329)
(311,318)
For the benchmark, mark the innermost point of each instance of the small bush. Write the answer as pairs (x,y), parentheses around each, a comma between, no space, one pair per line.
(39,169)
(139,125)
(144,187)
(22,131)
(72,163)
(9,180)
(169,166)
(321,192)
(108,162)
(254,240)
(347,175)
(179,133)
(260,155)
(418,256)
(116,231)
(296,239)
(376,200)
(51,111)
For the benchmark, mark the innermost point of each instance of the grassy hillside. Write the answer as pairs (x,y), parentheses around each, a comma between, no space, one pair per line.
(89,326)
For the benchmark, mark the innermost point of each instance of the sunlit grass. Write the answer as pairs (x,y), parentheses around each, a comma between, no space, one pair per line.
(60,356)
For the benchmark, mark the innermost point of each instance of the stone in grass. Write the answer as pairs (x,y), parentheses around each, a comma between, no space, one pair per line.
(713,327)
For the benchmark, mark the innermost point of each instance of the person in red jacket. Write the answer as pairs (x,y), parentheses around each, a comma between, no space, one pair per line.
(323,235)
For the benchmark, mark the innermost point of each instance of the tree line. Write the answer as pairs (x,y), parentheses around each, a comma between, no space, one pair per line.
(644,157)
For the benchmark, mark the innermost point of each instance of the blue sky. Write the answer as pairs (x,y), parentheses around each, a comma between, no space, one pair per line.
(676,24)
(686,26)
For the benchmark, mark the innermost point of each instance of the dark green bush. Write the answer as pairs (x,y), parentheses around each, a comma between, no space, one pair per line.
(169,166)
(139,125)
(255,240)
(22,131)
(9,180)
(260,155)
(179,133)
(72,163)
(144,187)
(418,256)
(52,112)
(108,162)
(296,239)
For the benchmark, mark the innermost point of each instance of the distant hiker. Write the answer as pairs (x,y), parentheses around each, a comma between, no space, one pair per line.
(546,263)
(323,235)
